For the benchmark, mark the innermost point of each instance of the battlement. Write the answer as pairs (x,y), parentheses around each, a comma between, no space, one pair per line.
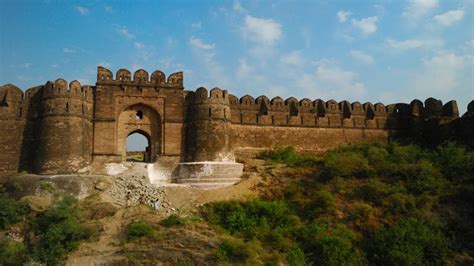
(215,95)
(60,89)
(124,76)
(318,113)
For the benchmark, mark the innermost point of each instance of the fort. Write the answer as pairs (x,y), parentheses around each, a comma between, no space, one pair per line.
(61,128)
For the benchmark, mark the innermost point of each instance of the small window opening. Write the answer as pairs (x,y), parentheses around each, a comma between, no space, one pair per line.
(225,116)
(139,115)
(67,107)
(209,112)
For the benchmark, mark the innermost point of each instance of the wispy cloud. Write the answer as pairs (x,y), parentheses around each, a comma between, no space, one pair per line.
(366,25)
(342,15)
(26,65)
(196,25)
(450,17)
(261,31)
(362,57)
(237,7)
(82,10)
(416,9)
(69,50)
(200,44)
(412,44)
(124,32)
(138,45)
(294,58)
(108,9)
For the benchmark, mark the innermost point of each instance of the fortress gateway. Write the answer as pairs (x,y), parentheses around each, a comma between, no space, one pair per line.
(59,128)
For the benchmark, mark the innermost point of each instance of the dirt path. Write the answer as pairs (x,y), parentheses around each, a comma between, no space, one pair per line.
(102,251)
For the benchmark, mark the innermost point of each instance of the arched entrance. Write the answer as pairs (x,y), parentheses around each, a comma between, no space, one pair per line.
(144,120)
(138,147)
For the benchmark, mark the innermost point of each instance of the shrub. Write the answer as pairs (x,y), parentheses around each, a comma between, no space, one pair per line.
(360,211)
(421,177)
(323,202)
(399,203)
(13,253)
(250,219)
(327,245)
(290,157)
(347,164)
(139,229)
(58,231)
(173,220)
(455,163)
(410,242)
(236,251)
(296,257)
(12,211)
(373,191)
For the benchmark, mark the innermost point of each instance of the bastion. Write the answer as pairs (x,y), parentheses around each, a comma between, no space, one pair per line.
(193,136)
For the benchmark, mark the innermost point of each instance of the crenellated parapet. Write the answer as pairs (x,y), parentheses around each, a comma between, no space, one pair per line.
(59,98)
(332,114)
(11,102)
(124,76)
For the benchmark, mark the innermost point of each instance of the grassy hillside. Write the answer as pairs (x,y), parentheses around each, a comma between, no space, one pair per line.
(382,204)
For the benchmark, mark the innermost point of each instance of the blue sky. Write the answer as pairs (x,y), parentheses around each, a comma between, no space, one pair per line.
(378,51)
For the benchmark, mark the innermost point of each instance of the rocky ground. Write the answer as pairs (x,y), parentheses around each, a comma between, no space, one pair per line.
(133,198)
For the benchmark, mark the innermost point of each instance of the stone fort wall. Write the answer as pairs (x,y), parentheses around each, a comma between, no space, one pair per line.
(62,128)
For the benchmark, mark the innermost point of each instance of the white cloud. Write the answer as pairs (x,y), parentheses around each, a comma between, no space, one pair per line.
(198,43)
(54,65)
(237,7)
(244,71)
(124,32)
(366,25)
(470,43)
(138,45)
(362,57)
(215,73)
(262,31)
(108,9)
(69,50)
(415,9)
(413,44)
(294,58)
(330,81)
(196,25)
(344,36)
(441,75)
(82,10)
(343,15)
(450,17)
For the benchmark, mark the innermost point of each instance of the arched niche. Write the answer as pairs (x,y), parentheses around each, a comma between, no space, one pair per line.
(143,119)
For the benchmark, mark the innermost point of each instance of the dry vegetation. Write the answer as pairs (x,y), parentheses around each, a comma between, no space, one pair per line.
(382,204)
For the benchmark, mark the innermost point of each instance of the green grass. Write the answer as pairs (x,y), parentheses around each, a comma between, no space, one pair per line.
(289,156)
(140,229)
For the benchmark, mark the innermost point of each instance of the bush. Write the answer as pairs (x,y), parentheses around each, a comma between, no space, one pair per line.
(13,253)
(421,177)
(410,242)
(327,245)
(139,229)
(347,164)
(455,163)
(12,211)
(296,257)
(173,220)
(374,191)
(360,211)
(251,219)
(58,231)
(323,202)
(236,251)
(290,157)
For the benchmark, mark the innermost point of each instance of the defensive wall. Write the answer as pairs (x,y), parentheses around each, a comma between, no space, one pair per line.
(65,128)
